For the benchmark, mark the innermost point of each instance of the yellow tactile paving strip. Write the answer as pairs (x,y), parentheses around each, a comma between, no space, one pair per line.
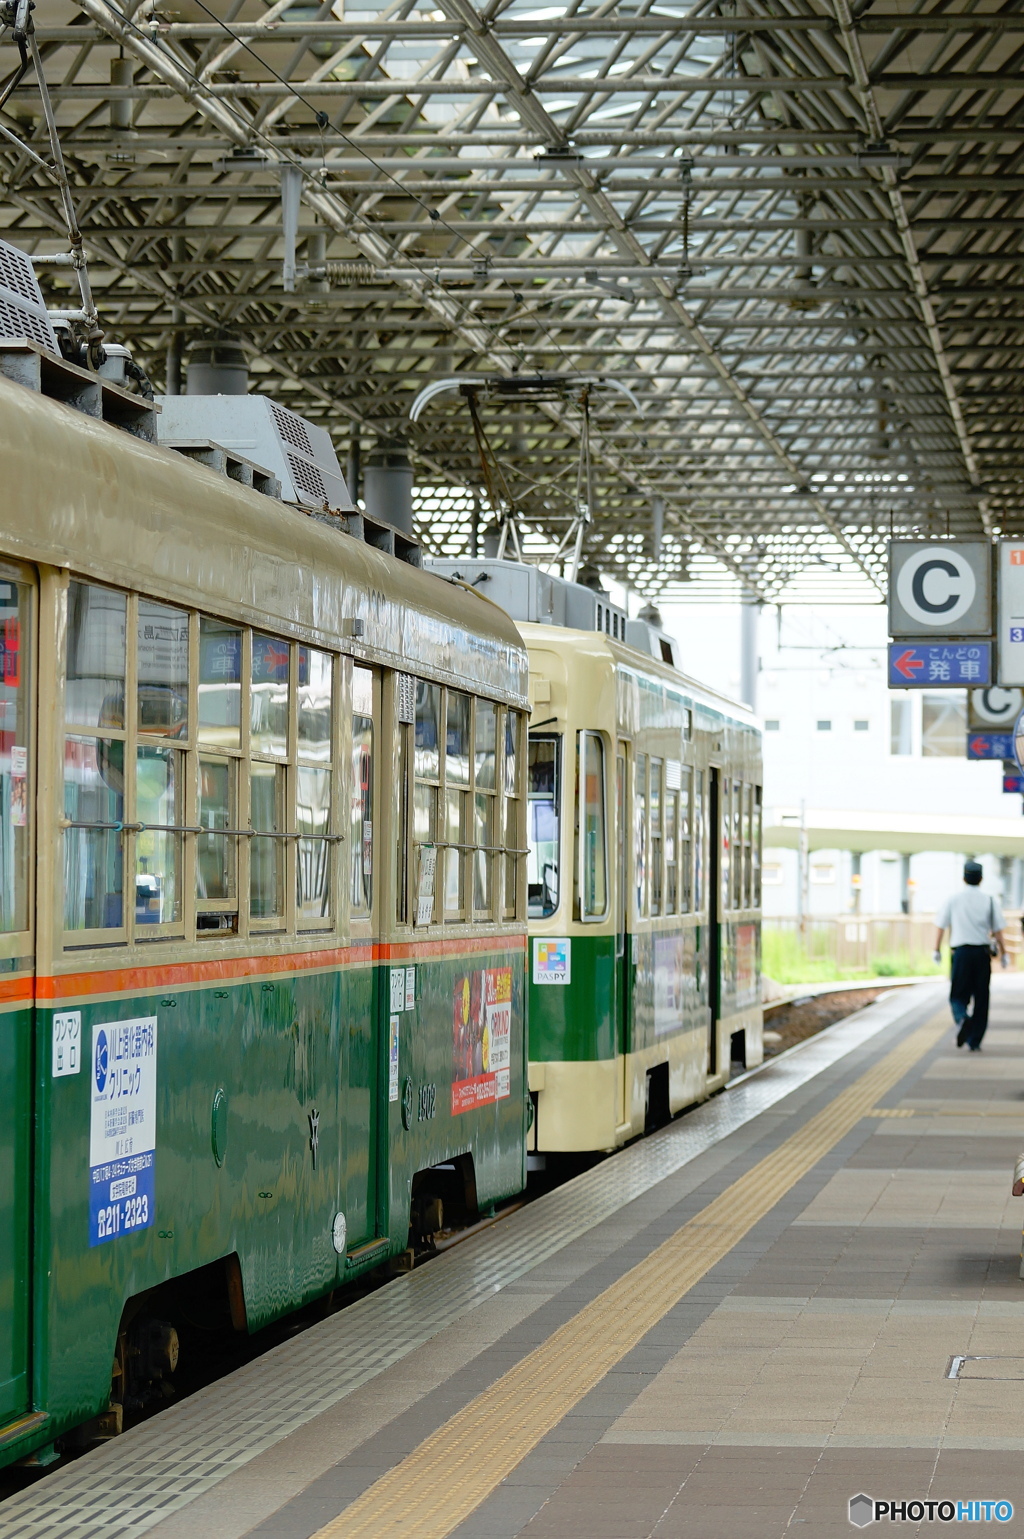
(434,1489)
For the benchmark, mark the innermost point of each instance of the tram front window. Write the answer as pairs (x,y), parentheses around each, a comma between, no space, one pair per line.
(544,802)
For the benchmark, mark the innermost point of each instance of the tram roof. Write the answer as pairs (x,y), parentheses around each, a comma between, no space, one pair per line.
(84,495)
(598,647)
(794,237)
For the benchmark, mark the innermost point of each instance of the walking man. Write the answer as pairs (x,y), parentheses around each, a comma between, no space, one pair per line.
(975,924)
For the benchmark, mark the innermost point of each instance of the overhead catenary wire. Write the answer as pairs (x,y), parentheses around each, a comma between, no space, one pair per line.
(18,17)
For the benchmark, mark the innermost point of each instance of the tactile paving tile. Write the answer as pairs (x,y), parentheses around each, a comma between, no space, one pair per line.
(122,1489)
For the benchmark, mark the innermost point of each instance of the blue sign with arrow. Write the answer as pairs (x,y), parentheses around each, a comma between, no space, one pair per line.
(990,745)
(940,665)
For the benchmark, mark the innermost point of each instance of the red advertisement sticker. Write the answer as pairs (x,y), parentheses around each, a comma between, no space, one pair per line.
(482,1038)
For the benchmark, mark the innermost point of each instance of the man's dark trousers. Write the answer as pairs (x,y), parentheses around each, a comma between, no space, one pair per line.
(972,970)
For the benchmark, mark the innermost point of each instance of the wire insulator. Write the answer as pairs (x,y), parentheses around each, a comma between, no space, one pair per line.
(351,273)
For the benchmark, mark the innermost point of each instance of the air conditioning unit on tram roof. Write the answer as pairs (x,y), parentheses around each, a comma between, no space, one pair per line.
(296,451)
(22,308)
(534,597)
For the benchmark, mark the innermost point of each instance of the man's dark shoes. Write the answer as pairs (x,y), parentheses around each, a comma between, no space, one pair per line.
(961,1036)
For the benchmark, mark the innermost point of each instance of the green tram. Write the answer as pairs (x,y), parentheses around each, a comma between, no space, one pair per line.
(262,901)
(644,882)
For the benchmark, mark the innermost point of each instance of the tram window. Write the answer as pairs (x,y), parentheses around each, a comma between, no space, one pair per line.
(268,697)
(216,851)
(93,845)
(159,806)
(755,850)
(162,671)
(94,766)
(544,799)
(456,757)
(220,683)
(656,835)
(513,839)
(685,840)
(428,716)
(671,852)
(698,841)
(723,833)
(485,730)
(94,682)
(16,725)
(162,637)
(361,837)
(316,679)
(457,826)
(485,738)
(426,775)
(313,786)
(736,893)
(640,834)
(403,791)
(748,797)
(593,833)
(266,852)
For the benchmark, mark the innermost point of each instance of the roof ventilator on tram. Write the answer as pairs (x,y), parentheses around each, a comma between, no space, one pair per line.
(295,460)
(31,355)
(278,443)
(533,597)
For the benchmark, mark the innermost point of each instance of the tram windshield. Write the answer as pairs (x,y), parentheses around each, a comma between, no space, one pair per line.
(544,794)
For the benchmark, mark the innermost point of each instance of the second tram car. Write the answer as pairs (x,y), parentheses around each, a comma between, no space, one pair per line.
(644,886)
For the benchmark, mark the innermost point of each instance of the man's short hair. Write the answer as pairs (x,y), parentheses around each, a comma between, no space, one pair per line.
(972,873)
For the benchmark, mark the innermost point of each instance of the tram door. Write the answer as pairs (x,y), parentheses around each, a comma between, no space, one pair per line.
(714,898)
(17,818)
(360,1109)
(621,1003)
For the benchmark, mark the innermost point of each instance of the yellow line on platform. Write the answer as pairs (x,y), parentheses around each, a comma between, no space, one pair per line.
(438,1485)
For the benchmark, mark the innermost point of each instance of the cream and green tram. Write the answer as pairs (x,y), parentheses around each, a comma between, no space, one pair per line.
(644,830)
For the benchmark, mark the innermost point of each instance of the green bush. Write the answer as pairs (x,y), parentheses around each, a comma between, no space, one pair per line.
(785,959)
(789,958)
(905,964)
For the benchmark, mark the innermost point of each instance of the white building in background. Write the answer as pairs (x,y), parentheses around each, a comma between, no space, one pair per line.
(837,738)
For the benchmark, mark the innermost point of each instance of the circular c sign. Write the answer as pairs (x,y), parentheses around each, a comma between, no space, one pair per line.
(936,586)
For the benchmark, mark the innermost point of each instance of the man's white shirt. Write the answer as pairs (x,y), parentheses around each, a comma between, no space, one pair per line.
(970,915)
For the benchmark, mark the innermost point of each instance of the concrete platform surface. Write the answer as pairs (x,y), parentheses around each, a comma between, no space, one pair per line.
(804,1290)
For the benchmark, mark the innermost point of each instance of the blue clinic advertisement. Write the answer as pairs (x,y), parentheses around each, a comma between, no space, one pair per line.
(122,1129)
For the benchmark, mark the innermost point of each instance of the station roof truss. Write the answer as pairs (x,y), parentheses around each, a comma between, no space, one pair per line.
(791,227)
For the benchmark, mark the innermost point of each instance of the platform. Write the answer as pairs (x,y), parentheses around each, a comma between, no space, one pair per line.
(726,1331)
